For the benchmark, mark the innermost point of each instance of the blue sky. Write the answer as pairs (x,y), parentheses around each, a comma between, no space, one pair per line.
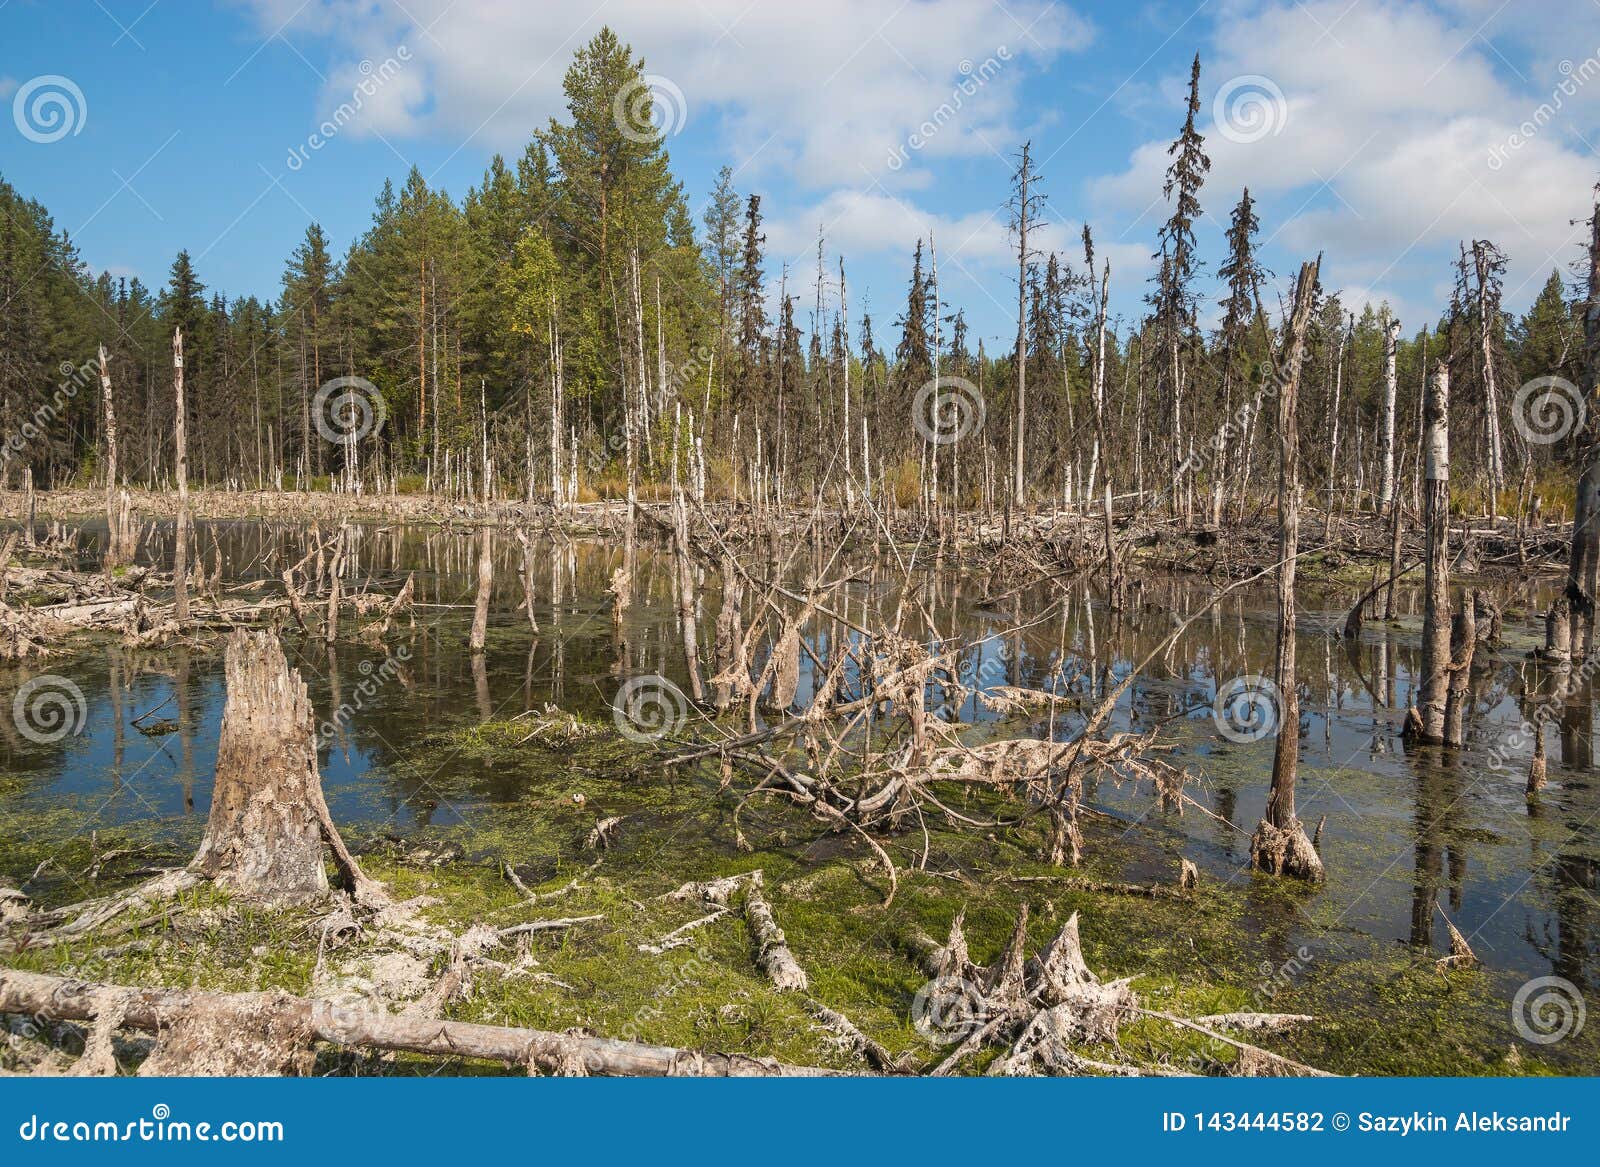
(1379,133)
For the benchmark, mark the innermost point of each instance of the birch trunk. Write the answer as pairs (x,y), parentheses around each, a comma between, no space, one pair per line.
(1386,456)
(1429,722)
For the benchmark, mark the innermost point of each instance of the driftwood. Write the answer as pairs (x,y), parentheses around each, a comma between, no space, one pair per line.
(303,1020)
(773,956)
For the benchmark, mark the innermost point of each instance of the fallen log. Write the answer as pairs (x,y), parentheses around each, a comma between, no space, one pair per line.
(152,1010)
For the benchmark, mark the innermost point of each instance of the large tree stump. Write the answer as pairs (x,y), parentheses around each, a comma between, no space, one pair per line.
(268,816)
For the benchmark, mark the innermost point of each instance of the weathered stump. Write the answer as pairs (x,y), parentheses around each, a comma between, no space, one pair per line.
(268,817)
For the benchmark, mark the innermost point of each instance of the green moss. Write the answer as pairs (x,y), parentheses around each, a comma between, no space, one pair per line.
(1252,944)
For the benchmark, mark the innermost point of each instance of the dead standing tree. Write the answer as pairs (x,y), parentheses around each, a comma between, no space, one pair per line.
(1280,844)
(1426,720)
(180,553)
(1583,573)
(1026,203)
(480,608)
(118,550)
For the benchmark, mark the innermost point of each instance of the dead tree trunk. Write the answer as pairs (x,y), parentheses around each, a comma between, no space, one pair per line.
(1019,435)
(1396,510)
(688,625)
(153,1010)
(1491,399)
(1280,844)
(180,553)
(1427,720)
(1463,640)
(115,549)
(527,581)
(268,817)
(1386,487)
(480,611)
(1583,573)
(1115,588)
(1558,635)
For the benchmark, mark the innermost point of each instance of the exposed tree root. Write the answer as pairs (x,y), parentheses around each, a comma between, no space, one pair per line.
(1285,851)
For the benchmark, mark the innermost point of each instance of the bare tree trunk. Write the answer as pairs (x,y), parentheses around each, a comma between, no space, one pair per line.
(180,553)
(1019,406)
(1114,588)
(1386,455)
(1428,721)
(1458,699)
(685,573)
(1583,573)
(480,611)
(1491,399)
(1333,451)
(115,549)
(1396,510)
(1280,845)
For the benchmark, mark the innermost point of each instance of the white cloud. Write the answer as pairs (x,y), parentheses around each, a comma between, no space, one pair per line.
(821,90)
(1391,115)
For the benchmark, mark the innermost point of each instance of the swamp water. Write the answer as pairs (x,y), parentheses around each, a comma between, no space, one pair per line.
(419,744)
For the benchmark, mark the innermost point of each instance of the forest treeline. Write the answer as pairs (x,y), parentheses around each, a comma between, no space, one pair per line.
(572,322)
